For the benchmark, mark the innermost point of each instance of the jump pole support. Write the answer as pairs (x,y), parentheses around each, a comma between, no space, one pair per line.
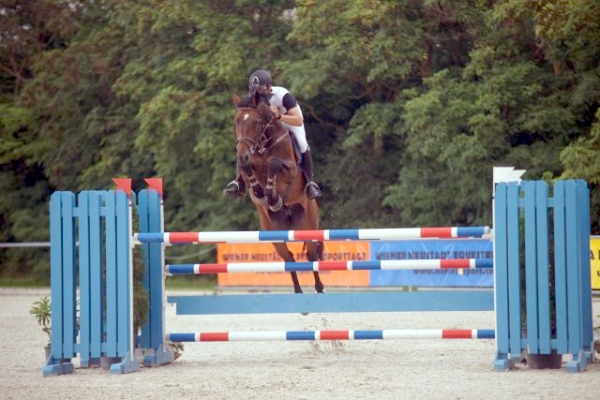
(574,332)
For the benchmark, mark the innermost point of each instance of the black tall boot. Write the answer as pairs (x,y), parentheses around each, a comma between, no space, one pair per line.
(236,187)
(312,189)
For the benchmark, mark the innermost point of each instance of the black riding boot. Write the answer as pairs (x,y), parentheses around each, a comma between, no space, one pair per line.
(236,187)
(312,189)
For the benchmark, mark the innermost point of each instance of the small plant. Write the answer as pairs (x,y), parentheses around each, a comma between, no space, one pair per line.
(42,311)
(177,349)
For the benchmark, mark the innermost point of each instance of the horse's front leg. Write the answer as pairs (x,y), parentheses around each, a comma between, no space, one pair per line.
(314,252)
(285,253)
(254,184)
(275,201)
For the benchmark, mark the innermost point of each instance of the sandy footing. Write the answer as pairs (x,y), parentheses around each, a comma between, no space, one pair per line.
(394,369)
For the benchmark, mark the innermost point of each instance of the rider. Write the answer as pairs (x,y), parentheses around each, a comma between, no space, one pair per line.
(285,108)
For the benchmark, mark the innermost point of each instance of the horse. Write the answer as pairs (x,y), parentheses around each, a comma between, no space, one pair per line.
(270,168)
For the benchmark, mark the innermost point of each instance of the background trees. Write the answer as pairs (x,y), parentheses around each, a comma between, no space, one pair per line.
(408,104)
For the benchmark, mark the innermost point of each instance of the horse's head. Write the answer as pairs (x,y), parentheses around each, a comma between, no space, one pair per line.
(252,121)
(252,117)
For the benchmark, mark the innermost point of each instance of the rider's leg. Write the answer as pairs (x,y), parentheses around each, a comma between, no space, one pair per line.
(312,189)
(236,187)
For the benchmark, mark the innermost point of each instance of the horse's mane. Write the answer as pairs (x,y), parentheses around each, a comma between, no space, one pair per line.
(254,99)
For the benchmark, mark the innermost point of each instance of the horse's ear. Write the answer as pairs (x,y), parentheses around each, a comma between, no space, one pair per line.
(236,99)
(264,111)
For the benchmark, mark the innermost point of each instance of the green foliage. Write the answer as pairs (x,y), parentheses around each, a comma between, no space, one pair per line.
(408,105)
(42,312)
(141,301)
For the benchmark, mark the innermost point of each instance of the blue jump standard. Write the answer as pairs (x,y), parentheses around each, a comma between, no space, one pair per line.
(433,300)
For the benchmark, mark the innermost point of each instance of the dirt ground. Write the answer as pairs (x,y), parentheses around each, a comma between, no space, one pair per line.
(394,369)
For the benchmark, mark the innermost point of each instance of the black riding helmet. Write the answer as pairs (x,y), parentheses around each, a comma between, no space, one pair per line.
(259,78)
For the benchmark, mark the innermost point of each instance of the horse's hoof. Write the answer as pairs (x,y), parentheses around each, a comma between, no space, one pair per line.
(233,190)
(277,206)
(313,191)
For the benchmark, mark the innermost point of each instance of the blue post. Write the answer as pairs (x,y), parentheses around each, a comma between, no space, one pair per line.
(558,321)
(90,278)
(153,332)
(123,285)
(62,264)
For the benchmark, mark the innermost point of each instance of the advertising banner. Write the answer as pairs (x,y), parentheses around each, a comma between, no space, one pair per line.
(264,252)
(595,261)
(433,249)
(378,250)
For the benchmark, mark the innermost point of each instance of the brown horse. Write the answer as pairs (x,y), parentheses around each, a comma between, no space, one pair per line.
(275,182)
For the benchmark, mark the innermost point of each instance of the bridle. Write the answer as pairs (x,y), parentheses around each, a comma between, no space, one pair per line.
(263,142)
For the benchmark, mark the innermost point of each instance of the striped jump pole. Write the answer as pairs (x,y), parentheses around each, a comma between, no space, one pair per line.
(389,265)
(169,238)
(389,334)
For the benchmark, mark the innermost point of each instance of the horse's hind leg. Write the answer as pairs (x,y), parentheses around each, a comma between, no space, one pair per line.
(287,255)
(314,253)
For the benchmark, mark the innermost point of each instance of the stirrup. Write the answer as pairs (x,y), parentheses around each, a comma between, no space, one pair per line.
(312,190)
(232,189)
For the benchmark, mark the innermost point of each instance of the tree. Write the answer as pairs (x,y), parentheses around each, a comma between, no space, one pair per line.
(29,29)
(408,105)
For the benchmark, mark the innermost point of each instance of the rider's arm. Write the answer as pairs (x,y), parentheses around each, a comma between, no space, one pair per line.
(293,116)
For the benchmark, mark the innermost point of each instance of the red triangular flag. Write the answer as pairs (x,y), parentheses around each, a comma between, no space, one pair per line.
(155,184)
(123,184)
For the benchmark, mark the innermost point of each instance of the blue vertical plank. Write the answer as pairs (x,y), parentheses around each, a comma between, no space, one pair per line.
(111,274)
(560,269)
(501,269)
(543,267)
(69,271)
(573,272)
(156,267)
(96,275)
(514,269)
(531,263)
(583,199)
(56,278)
(62,255)
(124,278)
(84,278)
(142,212)
(150,209)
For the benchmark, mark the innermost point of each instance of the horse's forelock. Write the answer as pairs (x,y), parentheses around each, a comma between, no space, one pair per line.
(253,99)
(245,101)
(264,111)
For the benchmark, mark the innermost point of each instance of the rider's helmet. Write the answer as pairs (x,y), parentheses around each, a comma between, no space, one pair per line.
(259,79)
